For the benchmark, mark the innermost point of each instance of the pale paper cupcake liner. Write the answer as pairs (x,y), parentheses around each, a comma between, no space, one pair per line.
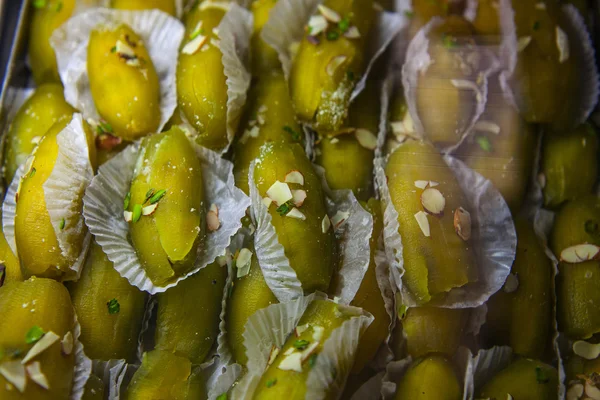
(470,12)
(103,211)
(83,365)
(279,275)
(71,175)
(494,237)
(111,373)
(483,366)
(400,43)
(225,381)
(266,328)
(160,32)
(151,304)
(370,390)
(353,238)
(285,28)
(417,63)
(336,359)
(9,210)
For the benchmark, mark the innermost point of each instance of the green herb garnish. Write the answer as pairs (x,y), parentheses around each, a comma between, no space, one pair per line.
(484,143)
(295,135)
(301,344)
(448,41)
(402,311)
(536,25)
(285,208)
(409,13)
(312,360)
(113,306)
(137,213)
(34,334)
(196,33)
(157,196)
(332,35)
(149,194)
(344,24)
(127,201)
(39,3)
(104,127)
(32,173)
(540,375)
(271,382)
(222,396)
(59,6)
(113,49)
(591,227)
(62,224)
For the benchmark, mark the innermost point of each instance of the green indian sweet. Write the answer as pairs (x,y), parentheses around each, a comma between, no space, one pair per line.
(435,226)
(249,294)
(426,330)
(46,17)
(109,309)
(286,376)
(432,377)
(445,117)
(522,379)
(269,117)
(264,57)
(330,60)
(37,244)
(123,82)
(569,164)
(94,389)
(298,222)
(12,269)
(201,81)
(578,299)
(347,155)
(188,314)
(44,108)
(37,328)
(487,20)
(164,375)
(167,6)
(370,298)
(501,148)
(165,206)
(424,10)
(519,315)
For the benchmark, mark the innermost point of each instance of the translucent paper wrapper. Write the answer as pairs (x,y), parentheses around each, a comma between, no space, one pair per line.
(83,365)
(370,390)
(103,211)
(116,375)
(288,18)
(272,325)
(477,63)
(482,367)
(160,32)
(63,190)
(493,237)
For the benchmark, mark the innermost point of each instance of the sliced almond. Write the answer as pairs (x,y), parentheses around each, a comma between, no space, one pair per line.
(334,140)
(589,351)
(511,284)
(462,223)
(509,396)
(329,14)
(423,222)
(309,350)
(300,329)
(325,224)
(292,362)
(40,346)
(487,126)
(298,197)
(212,221)
(280,193)
(244,258)
(352,33)
(214,208)
(542,180)
(540,6)
(274,353)
(334,64)
(465,84)
(67,343)
(316,25)
(433,201)
(36,139)
(366,139)
(194,45)
(295,213)
(149,210)
(34,371)
(592,391)
(339,218)
(128,215)
(523,42)
(433,184)
(14,372)
(219,5)
(294,176)
(562,43)
(267,201)
(575,392)
(421,184)
(123,49)
(318,332)
(580,253)
(289,351)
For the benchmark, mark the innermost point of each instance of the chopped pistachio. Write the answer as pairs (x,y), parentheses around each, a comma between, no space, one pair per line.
(34,334)
(536,25)
(113,306)
(294,176)
(137,213)
(126,201)
(39,3)
(285,208)
(104,127)
(312,360)
(301,344)
(271,382)
(222,396)
(540,375)
(157,196)
(295,135)
(306,353)
(332,35)
(62,224)
(484,143)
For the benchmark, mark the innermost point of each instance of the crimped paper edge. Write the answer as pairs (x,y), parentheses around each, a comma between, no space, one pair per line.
(83,365)
(9,210)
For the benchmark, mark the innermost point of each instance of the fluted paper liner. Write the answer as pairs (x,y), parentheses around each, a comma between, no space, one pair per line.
(83,365)
(161,33)
(116,375)
(494,238)
(483,366)
(417,63)
(353,238)
(370,390)
(151,303)
(279,275)
(225,381)
(288,18)
(71,175)
(103,211)
(266,328)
